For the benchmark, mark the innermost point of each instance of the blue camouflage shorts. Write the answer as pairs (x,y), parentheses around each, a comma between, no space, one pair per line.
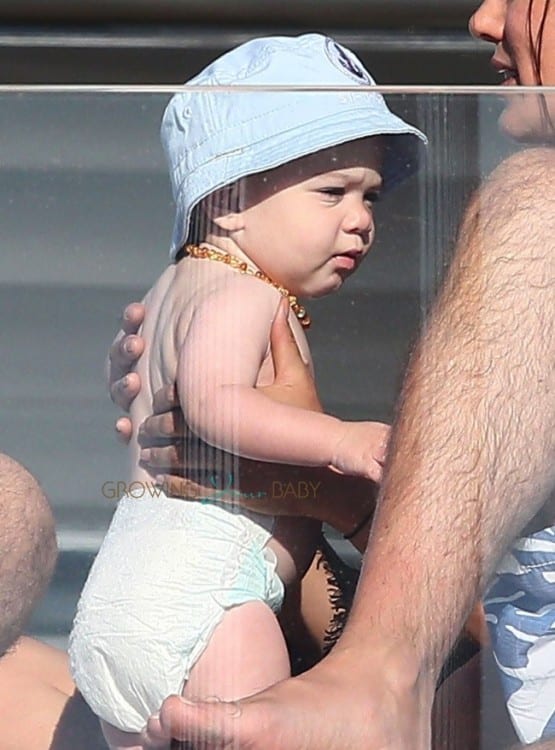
(520,611)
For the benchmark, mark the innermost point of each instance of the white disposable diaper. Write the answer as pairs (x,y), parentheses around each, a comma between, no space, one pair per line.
(166,572)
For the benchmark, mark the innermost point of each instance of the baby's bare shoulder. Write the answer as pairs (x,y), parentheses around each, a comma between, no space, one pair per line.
(215,284)
(160,287)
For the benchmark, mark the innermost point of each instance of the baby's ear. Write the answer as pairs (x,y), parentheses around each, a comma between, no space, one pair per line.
(223,208)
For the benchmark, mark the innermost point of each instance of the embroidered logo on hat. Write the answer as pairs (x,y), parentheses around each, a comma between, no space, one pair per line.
(347,63)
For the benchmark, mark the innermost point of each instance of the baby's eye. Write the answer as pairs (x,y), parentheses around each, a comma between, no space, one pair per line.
(336,192)
(373,196)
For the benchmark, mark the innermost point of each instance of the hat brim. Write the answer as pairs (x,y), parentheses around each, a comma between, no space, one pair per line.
(402,156)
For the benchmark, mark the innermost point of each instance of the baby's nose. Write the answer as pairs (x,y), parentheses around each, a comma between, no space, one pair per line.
(360,218)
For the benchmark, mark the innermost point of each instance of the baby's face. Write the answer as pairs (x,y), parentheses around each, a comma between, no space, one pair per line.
(309,224)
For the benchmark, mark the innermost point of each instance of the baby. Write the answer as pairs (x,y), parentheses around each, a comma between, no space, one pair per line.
(274,193)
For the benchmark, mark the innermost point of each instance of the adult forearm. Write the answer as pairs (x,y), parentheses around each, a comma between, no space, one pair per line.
(344,502)
(471,458)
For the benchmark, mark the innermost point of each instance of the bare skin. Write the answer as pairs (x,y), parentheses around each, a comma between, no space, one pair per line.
(38,708)
(165,435)
(34,678)
(28,545)
(497,300)
(294,382)
(492,327)
(166,295)
(124,352)
(35,687)
(479,470)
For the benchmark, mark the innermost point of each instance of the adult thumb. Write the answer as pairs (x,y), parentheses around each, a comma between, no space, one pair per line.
(287,359)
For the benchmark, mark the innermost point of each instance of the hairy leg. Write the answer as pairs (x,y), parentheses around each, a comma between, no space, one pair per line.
(471,459)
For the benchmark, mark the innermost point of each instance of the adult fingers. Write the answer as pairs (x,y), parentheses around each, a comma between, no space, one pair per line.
(186,489)
(127,346)
(163,458)
(163,426)
(173,455)
(124,352)
(133,316)
(124,429)
(124,389)
(165,399)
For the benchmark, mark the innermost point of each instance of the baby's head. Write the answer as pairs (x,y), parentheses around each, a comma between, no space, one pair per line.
(308,223)
(264,156)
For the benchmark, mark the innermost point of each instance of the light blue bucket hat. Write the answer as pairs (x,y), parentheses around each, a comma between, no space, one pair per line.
(212,139)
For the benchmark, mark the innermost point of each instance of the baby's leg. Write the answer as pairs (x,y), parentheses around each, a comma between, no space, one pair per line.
(120,740)
(245,654)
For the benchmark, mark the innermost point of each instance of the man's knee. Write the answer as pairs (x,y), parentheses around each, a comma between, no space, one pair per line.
(511,219)
(523,183)
(28,548)
(526,166)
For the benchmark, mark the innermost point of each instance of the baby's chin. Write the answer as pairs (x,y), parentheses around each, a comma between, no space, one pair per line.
(314,291)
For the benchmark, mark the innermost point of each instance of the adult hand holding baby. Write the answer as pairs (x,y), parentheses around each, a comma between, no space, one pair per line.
(127,347)
(164,435)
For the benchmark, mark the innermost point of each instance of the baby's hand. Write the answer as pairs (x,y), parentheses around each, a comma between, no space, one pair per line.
(361,450)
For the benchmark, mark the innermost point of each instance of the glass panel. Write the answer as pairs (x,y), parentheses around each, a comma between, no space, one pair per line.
(86,217)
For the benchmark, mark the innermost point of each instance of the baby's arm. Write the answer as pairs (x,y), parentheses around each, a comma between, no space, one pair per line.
(220,358)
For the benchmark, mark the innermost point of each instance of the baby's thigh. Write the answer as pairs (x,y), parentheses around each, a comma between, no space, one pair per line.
(119,740)
(245,654)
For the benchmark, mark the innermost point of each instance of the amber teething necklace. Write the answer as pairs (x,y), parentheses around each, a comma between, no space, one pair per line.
(210,253)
